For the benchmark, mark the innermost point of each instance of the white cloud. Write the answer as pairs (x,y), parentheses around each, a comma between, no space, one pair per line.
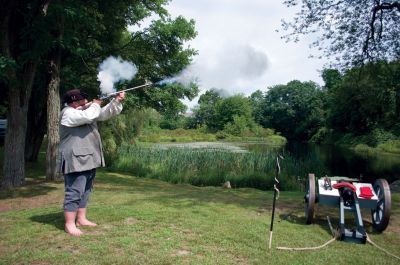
(239,48)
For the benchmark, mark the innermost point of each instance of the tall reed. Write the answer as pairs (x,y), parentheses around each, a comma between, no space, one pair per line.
(212,167)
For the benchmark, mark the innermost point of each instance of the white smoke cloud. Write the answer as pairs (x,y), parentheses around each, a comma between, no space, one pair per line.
(113,70)
(233,68)
(185,78)
(229,25)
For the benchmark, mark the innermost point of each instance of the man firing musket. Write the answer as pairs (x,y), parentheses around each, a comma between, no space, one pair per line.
(81,152)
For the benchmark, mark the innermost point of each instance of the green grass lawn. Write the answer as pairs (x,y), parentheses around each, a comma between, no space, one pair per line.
(147,221)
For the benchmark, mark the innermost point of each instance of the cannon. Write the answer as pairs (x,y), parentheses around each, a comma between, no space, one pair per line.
(350,195)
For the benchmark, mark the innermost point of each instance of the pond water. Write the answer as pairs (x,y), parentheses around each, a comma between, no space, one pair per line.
(341,161)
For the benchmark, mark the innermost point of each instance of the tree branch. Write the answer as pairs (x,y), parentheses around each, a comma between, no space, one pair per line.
(386,6)
(379,8)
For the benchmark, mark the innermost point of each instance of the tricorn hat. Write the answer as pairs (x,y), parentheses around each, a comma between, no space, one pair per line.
(74,95)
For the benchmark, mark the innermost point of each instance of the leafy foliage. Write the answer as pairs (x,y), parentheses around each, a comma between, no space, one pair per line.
(84,33)
(233,107)
(350,32)
(231,116)
(296,109)
(205,113)
(256,99)
(367,98)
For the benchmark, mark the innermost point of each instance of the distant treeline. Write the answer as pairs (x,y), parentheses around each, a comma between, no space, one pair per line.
(361,105)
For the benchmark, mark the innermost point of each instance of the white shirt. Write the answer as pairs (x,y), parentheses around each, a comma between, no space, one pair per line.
(91,112)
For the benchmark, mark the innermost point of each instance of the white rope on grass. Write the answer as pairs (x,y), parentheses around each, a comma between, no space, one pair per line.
(333,239)
(335,235)
(381,248)
(308,248)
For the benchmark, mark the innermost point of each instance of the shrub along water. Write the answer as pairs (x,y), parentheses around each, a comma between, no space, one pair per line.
(212,167)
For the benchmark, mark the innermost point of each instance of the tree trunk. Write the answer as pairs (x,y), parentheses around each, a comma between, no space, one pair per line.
(53,106)
(17,17)
(53,112)
(14,146)
(14,173)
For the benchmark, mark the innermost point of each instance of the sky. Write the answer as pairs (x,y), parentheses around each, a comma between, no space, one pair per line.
(239,50)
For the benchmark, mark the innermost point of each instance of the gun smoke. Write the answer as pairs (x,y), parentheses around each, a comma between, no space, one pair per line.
(113,70)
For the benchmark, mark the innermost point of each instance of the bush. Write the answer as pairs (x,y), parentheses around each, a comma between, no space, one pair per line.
(392,146)
(262,132)
(110,150)
(322,135)
(364,150)
(276,140)
(379,136)
(222,135)
(125,127)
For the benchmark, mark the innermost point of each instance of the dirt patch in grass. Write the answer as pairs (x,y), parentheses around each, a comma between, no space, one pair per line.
(31,202)
(242,260)
(131,221)
(181,252)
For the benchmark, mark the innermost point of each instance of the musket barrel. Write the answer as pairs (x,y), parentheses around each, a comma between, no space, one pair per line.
(106,96)
(132,88)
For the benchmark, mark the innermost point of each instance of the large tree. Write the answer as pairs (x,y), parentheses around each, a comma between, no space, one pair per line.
(93,31)
(205,113)
(68,39)
(257,99)
(228,108)
(295,109)
(22,45)
(350,32)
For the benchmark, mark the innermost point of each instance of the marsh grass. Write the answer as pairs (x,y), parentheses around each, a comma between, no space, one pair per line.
(148,221)
(214,166)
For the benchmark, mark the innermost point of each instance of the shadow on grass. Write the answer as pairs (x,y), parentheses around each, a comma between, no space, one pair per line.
(35,179)
(56,219)
(27,191)
(321,219)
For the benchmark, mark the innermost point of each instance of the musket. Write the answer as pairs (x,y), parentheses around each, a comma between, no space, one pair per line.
(113,94)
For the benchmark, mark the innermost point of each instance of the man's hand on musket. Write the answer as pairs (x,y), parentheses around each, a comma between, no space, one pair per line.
(120,97)
(98,101)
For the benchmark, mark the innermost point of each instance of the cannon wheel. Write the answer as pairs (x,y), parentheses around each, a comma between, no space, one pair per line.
(381,214)
(309,199)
